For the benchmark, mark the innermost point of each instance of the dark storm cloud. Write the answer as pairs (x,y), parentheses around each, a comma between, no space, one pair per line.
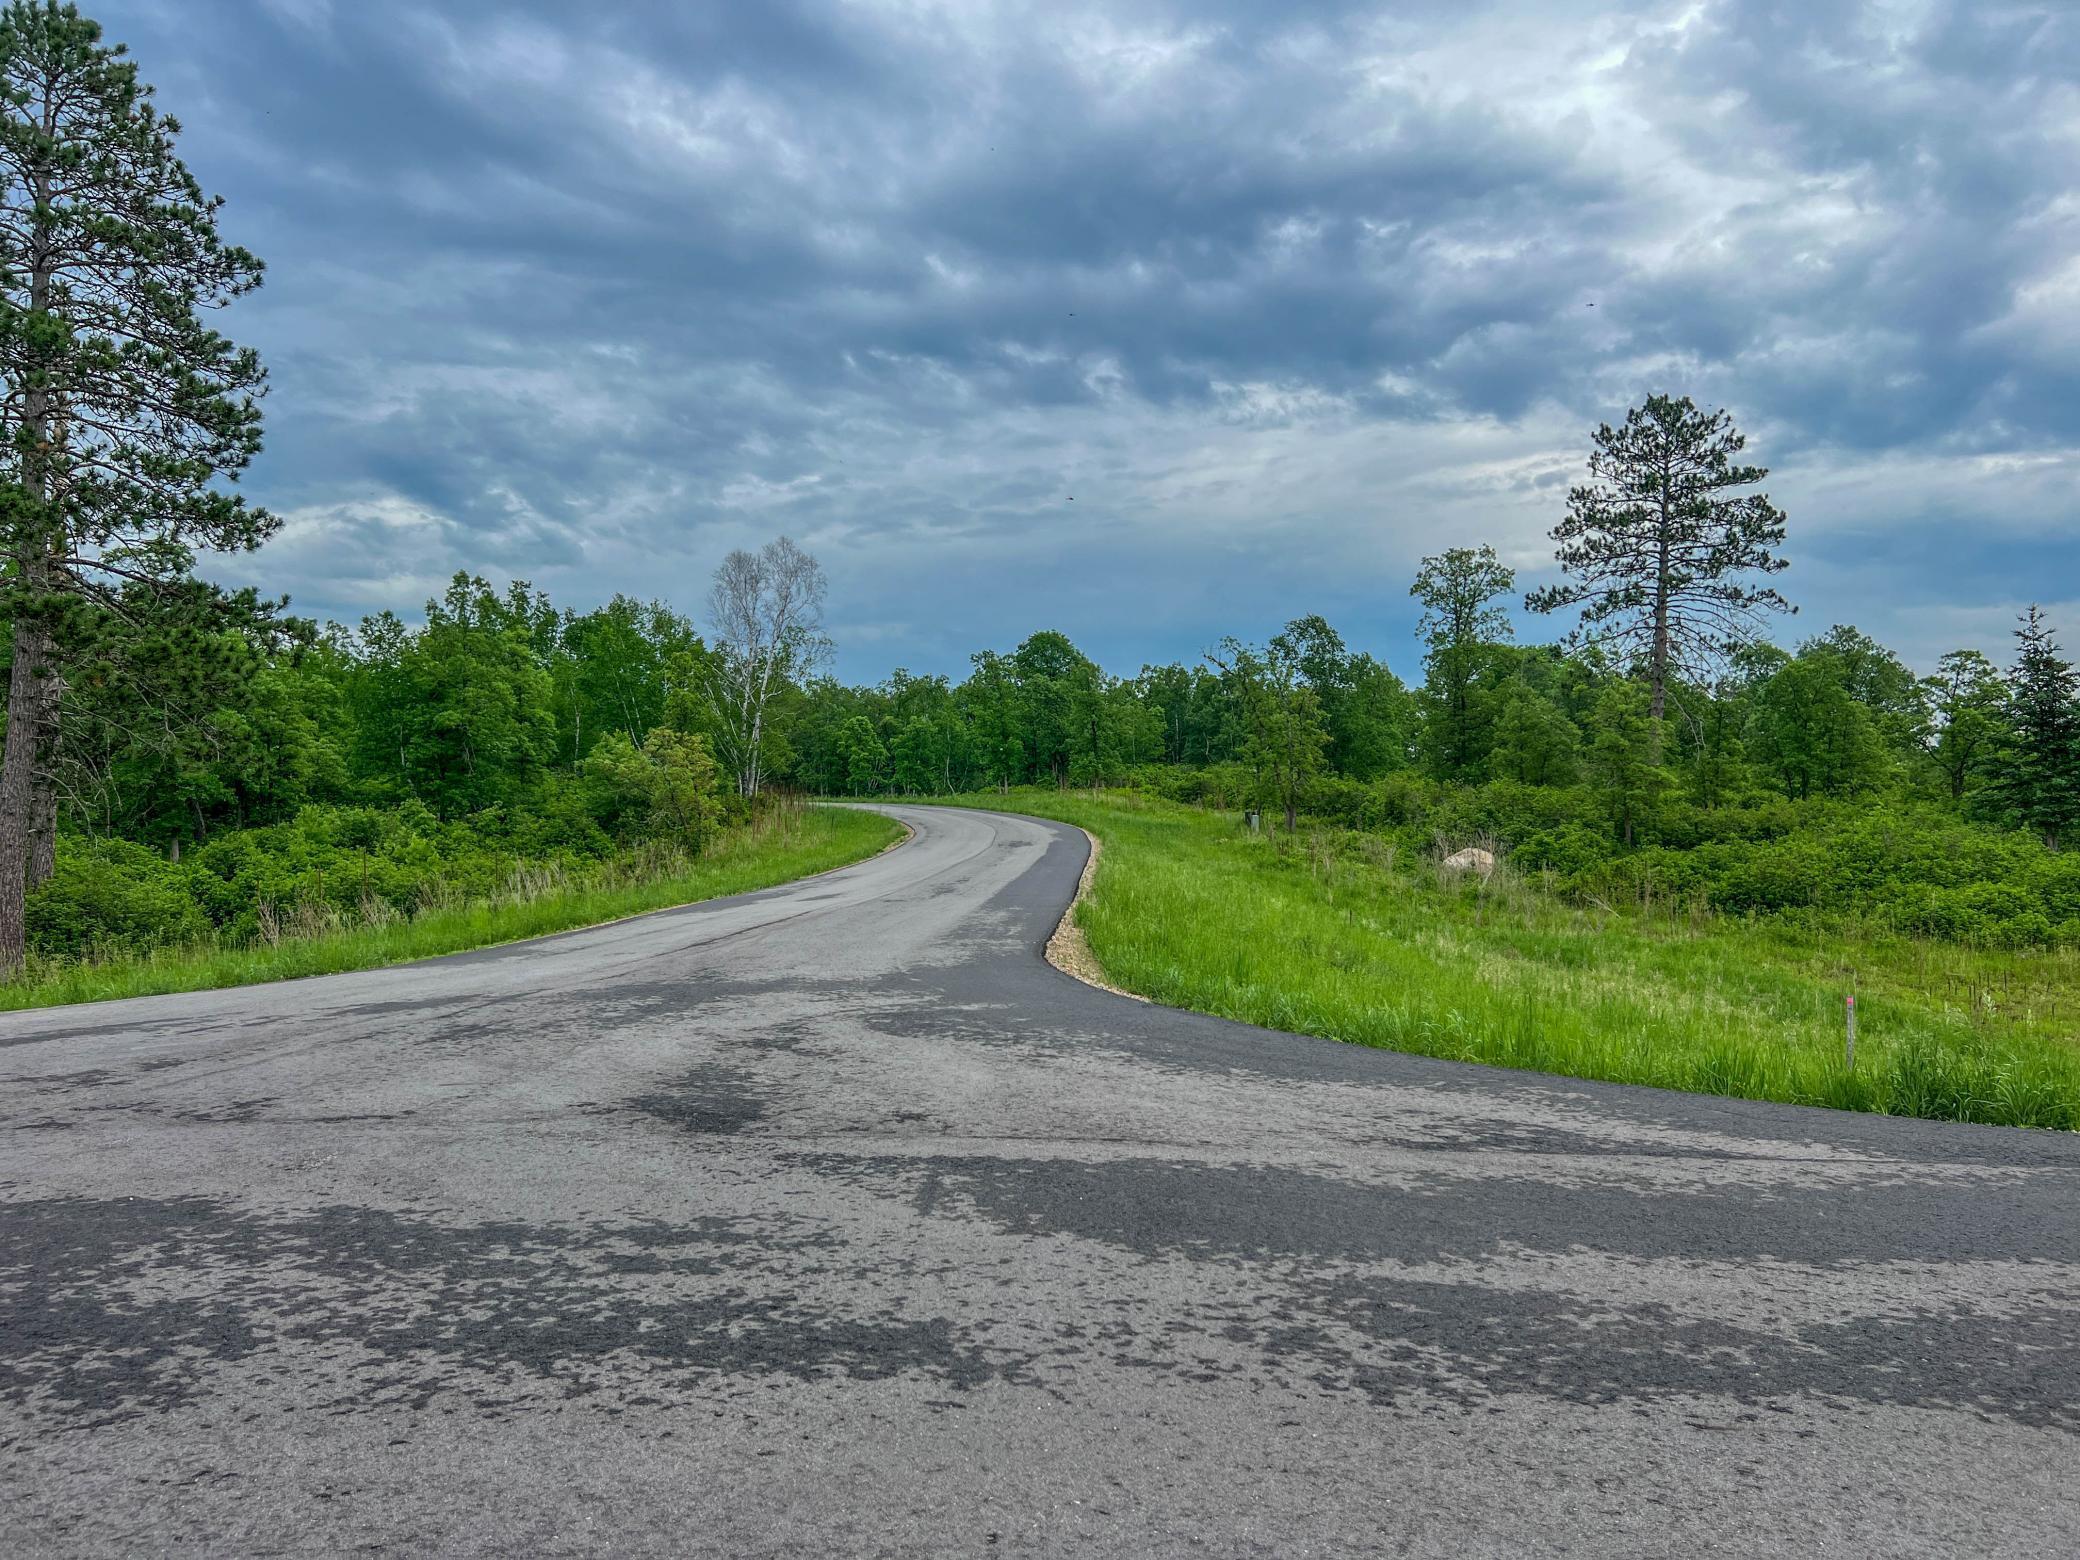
(1277,297)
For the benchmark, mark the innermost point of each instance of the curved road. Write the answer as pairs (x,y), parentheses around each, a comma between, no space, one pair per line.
(832,1220)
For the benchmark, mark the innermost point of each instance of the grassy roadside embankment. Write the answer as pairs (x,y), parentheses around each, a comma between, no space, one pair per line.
(1329,933)
(779,846)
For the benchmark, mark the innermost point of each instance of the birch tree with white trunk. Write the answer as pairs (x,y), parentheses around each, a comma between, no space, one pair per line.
(766,609)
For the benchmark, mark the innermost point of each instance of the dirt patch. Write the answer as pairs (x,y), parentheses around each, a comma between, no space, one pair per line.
(1068,950)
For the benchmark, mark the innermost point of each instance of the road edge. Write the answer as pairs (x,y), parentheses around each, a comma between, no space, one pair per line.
(475,949)
(1068,950)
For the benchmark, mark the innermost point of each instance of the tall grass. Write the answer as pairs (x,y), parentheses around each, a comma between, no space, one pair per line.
(784,841)
(1332,933)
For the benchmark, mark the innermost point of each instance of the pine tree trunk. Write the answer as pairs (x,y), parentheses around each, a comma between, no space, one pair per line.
(28,797)
(1657,667)
(43,818)
(43,831)
(19,791)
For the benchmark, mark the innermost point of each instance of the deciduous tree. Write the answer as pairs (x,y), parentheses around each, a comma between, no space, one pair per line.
(1281,715)
(671,783)
(1970,704)
(1808,733)
(767,612)
(1622,759)
(864,755)
(1535,742)
(1460,627)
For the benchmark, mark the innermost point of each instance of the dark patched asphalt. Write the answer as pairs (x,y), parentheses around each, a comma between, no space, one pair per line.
(831,1220)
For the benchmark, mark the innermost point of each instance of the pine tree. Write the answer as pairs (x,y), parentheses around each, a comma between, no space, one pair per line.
(122,407)
(2038,772)
(1657,542)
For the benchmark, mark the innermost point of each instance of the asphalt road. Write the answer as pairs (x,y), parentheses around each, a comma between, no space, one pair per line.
(832,1220)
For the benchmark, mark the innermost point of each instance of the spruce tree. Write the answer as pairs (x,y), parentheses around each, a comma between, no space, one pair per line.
(1659,541)
(2038,772)
(122,407)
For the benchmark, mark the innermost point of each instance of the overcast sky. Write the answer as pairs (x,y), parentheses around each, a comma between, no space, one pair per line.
(1144,321)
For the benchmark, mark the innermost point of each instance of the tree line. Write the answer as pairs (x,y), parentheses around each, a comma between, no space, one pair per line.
(145,703)
(1840,715)
(150,707)
(1665,689)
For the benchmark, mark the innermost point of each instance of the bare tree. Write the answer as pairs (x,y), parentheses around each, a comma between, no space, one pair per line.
(767,612)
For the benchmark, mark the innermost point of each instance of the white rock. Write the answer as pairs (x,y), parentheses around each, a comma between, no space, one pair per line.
(1472,859)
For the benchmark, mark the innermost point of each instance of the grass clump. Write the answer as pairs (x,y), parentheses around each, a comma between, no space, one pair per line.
(321,936)
(1343,934)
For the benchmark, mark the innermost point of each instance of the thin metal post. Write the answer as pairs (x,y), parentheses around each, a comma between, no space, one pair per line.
(1852,1031)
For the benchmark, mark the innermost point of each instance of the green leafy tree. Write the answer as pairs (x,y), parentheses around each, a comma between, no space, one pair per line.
(2037,773)
(990,702)
(1110,730)
(864,755)
(1050,673)
(1623,761)
(1535,742)
(1662,545)
(460,712)
(629,666)
(1369,714)
(1460,628)
(671,784)
(1282,715)
(1808,733)
(1971,720)
(1166,693)
(123,408)
(826,706)
(1881,683)
(1717,764)
(919,756)
(1374,730)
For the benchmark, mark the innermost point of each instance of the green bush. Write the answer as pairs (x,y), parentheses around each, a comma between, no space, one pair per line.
(1790,874)
(1572,850)
(1916,866)
(351,863)
(107,894)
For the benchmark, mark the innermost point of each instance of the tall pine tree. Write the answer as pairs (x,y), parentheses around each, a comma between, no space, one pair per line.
(122,407)
(1659,542)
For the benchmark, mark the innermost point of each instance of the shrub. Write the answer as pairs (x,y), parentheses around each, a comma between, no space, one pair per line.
(1786,875)
(112,893)
(1570,850)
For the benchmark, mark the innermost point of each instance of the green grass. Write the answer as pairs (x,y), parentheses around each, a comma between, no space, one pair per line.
(784,843)
(1328,933)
